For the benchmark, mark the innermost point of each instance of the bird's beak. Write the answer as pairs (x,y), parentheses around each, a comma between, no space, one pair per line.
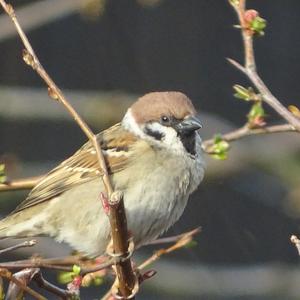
(188,125)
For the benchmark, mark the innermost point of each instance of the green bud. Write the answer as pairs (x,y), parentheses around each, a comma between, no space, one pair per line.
(258,25)
(76,269)
(256,116)
(256,110)
(243,93)
(220,148)
(65,277)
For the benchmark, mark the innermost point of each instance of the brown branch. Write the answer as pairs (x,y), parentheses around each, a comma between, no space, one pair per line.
(18,265)
(14,291)
(247,37)
(19,184)
(27,275)
(43,283)
(6,274)
(246,131)
(18,246)
(38,262)
(180,240)
(63,264)
(173,239)
(249,69)
(185,239)
(29,56)
(98,267)
(125,273)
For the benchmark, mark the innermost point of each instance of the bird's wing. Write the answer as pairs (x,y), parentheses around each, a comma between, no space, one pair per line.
(83,166)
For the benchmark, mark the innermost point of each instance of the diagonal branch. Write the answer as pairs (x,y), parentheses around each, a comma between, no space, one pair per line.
(183,240)
(249,68)
(18,246)
(29,56)
(247,131)
(17,282)
(19,184)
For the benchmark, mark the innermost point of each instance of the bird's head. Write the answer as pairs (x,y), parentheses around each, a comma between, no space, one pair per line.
(165,119)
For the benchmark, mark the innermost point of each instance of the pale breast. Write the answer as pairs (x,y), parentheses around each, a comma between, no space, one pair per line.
(159,193)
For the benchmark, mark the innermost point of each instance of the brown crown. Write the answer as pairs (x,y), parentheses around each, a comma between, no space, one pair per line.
(152,106)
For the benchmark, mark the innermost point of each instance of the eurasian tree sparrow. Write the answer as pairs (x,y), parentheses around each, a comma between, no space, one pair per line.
(154,156)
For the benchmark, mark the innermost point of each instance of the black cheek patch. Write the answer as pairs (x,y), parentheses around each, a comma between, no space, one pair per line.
(155,134)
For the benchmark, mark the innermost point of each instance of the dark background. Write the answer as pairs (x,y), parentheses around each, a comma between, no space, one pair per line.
(176,45)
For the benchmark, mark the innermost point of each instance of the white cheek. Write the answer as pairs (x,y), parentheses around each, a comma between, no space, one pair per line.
(170,138)
(130,124)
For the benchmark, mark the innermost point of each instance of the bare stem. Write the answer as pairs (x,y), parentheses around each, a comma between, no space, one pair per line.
(62,264)
(99,267)
(180,243)
(43,283)
(31,59)
(19,184)
(249,69)
(6,274)
(20,245)
(173,239)
(246,131)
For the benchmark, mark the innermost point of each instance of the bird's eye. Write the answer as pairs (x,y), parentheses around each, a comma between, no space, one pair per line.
(165,119)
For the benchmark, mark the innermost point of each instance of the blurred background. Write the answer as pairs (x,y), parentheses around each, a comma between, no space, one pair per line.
(106,53)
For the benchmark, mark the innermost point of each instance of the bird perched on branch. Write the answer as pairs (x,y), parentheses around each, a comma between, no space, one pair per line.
(153,156)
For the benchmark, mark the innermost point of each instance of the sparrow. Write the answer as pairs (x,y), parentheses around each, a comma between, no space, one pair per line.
(153,156)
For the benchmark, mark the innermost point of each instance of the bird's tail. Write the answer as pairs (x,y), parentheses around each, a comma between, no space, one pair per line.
(16,225)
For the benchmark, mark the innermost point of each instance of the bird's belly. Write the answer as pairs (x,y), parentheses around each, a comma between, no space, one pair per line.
(153,205)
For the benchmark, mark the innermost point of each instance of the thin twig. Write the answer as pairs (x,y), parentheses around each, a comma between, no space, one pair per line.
(16,266)
(173,239)
(6,274)
(43,283)
(14,291)
(19,184)
(98,267)
(249,69)
(21,245)
(31,59)
(247,36)
(246,131)
(185,239)
(62,264)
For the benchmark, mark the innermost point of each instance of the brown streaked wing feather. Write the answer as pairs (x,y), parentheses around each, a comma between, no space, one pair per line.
(82,166)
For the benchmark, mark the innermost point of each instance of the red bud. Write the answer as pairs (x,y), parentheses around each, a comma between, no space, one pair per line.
(250,15)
